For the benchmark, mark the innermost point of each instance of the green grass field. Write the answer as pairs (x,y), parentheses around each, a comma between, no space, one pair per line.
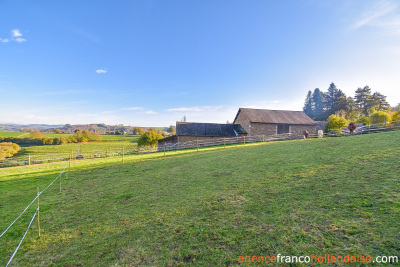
(107,142)
(119,137)
(82,147)
(55,134)
(13,134)
(23,134)
(339,196)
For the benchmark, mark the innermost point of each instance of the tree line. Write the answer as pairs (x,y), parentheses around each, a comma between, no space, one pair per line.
(37,138)
(320,105)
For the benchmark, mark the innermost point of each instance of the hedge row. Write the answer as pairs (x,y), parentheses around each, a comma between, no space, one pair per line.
(76,138)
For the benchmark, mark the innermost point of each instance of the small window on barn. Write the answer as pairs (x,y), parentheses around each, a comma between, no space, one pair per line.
(282,128)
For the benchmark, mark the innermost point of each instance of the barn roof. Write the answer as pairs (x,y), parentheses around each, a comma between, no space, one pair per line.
(276,116)
(209,129)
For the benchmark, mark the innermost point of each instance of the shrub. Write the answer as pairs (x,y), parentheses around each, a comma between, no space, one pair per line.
(364,119)
(149,138)
(336,122)
(137,131)
(35,135)
(47,141)
(86,136)
(57,141)
(8,149)
(64,140)
(72,139)
(396,116)
(83,139)
(379,117)
(93,136)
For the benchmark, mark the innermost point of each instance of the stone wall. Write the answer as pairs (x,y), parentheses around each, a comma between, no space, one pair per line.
(268,129)
(244,122)
(169,142)
(191,141)
(263,129)
(299,129)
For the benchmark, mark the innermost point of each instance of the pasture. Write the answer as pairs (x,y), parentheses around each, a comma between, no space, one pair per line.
(81,147)
(338,195)
(113,143)
(13,134)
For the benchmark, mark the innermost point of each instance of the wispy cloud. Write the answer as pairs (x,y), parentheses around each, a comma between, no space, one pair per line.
(101,71)
(65,92)
(20,40)
(16,33)
(195,109)
(383,14)
(80,102)
(122,109)
(151,112)
(132,108)
(16,36)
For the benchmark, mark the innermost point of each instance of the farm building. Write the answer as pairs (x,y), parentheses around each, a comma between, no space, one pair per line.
(190,134)
(271,122)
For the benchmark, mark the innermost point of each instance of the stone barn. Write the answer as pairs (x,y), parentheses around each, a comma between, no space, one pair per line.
(189,134)
(271,122)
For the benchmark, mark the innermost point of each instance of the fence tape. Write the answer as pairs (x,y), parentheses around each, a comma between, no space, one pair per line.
(33,201)
(20,242)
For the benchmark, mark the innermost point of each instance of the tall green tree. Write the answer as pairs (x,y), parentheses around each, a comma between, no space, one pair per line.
(363,100)
(341,101)
(335,100)
(318,100)
(308,105)
(171,129)
(378,102)
(331,95)
(352,113)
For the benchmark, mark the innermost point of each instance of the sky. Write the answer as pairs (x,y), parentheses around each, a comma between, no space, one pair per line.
(149,63)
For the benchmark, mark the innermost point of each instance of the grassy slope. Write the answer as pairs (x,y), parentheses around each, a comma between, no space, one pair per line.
(13,134)
(337,196)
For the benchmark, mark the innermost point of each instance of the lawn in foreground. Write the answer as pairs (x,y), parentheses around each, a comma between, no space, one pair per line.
(339,196)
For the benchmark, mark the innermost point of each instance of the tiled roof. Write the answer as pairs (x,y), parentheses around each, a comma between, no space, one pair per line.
(276,116)
(209,129)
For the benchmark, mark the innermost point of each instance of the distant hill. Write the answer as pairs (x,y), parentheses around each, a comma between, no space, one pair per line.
(19,127)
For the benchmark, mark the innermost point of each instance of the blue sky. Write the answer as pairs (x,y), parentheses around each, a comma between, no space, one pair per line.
(149,63)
